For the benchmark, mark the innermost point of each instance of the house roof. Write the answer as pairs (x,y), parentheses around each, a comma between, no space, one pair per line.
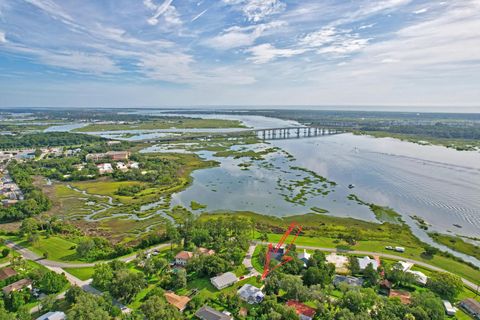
(247,290)
(405,266)
(301,308)
(206,251)
(419,276)
(403,295)
(385,284)
(184,255)
(20,284)
(53,315)
(471,304)
(180,302)
(208,313)
(365,261)
(338,260)
(224,280)
(6,273)
(353,281)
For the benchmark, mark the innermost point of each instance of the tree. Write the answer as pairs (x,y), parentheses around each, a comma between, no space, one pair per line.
(426,306)
(23,313)
(156,307)
(358,301)
(85,246)
(371,276)
(180,279)
(126,284)
(34,238)
(430,251)
(28,226)
(51,282)
(48,302)
(102,276)
(353,265)
(293,287)
(87,307)
(446,285)
(5,252)
(314,275)
(73,293)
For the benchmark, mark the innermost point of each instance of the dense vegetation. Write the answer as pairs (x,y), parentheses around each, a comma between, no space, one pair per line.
(46,139)
(35,201)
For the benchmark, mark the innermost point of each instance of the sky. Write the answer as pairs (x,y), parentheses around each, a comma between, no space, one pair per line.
(159,53)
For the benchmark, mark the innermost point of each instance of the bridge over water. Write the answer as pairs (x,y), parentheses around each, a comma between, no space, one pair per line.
(264,134)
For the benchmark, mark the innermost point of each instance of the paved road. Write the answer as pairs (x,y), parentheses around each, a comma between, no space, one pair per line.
(247,261)
(29,255)
(468,283)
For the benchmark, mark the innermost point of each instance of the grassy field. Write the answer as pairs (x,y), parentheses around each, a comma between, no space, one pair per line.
(457,244)
(178,123)
(81,273)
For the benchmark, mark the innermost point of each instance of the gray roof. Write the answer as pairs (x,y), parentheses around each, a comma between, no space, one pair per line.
(248,292)
(365,261)
(224,280)
(53,315)
(207,313)
(352,281)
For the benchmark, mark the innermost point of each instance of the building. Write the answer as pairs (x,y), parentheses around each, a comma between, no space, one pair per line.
(303,311)
(472,307)
(449,309)
(179,302)
(224,280)
(250,294)
(118,155)
(104,168)
(404,266)
(6,273)
(207,313)
(365,261)
(181,259)
(16,286)
(420,277)
(404,296)
(53,315)
(304,256)
(340,262)
(205,251)
(349,280)
(122,166)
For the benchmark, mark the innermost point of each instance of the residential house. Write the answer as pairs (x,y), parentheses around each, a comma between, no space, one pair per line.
(6,273)
(53,315)
(104,168)
(404,266)
(208,313)
(304,256)
(349,280)
(340,262)
(303,311)
(449,309)
(365,261)
(385,287)
(404,296)
(122,166)
(179,302)
(224,280)
(181,259)
(472,307)
(420,277)
(205,252)
(250,294)
(118,155)
(134,165)
(16,286)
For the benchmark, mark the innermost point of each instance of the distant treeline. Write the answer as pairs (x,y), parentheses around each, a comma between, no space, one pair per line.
(46,139)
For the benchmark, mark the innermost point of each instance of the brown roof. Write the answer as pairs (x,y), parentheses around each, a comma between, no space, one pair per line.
(385,284)
(20,284)
(6,273)
(206,251)
(180,302)
(184,255)
(403,295)
(471,304)
(301,308)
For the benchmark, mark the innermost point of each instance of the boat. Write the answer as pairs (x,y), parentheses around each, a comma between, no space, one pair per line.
(351,186)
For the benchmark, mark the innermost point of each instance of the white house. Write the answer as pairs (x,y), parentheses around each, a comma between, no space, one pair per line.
(181,259)
(449,309)
(250,294)
(224,280)
(53,315)
(365,261)
(420,277)
(304,256)
(104,168)
(404,266)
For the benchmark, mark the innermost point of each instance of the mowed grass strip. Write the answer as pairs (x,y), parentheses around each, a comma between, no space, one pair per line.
(81,273)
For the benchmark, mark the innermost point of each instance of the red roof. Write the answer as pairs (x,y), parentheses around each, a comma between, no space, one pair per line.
(184,255)
(404,296)
(301,308)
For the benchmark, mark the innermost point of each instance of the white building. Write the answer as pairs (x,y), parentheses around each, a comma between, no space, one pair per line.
(420,277)
(250,294)
(104,168)
(449,309)
(404,266)
(53,315)
(304,256)
(224,280)
(365,261)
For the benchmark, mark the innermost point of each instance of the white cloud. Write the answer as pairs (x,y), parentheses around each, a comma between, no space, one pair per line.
(236,37)
(367,26)
(420,11)
(3,39)
(257,10)
(165,9)
(329,40)
(264,53)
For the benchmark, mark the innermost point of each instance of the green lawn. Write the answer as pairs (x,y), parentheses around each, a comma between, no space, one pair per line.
(81,273)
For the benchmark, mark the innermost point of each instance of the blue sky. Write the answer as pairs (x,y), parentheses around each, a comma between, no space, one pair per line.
(239,52)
